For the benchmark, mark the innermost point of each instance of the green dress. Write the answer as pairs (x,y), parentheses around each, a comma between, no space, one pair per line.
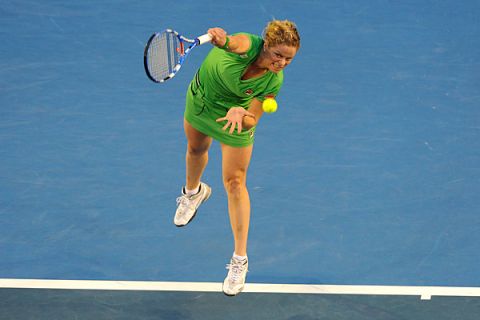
(217,87)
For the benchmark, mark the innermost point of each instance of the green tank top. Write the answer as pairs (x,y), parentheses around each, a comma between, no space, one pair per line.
(221,72)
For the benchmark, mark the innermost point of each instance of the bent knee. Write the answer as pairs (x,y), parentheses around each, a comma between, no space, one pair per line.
(197,150)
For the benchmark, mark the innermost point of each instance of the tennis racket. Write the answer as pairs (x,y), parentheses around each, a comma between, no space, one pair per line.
(166,51)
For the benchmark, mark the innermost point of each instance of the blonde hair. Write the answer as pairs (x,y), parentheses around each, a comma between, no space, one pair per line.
(281,32)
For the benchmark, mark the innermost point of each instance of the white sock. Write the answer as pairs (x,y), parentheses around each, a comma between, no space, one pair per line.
(239,258)
(192,192)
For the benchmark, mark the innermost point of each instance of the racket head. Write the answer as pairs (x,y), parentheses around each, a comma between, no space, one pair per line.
(163,55)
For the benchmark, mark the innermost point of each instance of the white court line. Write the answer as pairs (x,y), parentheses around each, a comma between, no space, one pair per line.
(425,292)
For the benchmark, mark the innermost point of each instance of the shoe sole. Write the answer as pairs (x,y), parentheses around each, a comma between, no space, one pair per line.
(209,192)
(233,295)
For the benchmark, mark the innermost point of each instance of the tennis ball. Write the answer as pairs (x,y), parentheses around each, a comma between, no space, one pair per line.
(269,105)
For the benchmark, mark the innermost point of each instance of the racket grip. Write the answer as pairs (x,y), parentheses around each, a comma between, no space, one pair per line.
(204,38)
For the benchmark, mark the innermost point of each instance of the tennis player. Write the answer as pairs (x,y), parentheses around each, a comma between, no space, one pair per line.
(224,102)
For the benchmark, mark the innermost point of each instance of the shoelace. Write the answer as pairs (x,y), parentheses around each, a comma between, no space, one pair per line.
(185,201)
(236,269)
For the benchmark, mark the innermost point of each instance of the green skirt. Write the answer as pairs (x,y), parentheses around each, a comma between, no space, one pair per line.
(203,115)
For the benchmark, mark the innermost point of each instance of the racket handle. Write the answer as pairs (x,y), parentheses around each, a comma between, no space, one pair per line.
(204,39)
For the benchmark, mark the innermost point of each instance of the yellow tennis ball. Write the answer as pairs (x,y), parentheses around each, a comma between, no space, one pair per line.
(269,105)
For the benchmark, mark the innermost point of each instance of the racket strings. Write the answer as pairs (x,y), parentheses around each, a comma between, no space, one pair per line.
(163,55)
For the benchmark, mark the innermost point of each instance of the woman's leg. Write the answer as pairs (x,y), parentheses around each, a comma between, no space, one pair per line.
(195,192)
(196,155)
(235,163)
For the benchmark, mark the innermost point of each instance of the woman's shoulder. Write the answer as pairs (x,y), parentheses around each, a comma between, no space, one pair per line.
(255,44)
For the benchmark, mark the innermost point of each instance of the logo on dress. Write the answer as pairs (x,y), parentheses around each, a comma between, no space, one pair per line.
(248,92)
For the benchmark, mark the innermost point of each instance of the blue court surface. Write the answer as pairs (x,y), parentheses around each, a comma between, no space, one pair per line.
(364,184)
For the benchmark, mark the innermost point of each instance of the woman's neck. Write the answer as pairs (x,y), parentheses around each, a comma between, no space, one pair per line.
(253,71)
(260,61)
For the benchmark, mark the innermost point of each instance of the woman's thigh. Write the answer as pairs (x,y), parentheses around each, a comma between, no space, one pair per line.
(235,162)
(197,141)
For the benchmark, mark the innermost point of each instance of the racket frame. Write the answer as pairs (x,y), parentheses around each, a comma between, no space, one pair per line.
(192,43)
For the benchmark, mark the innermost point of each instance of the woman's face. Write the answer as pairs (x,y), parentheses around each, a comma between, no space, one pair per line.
(278,57)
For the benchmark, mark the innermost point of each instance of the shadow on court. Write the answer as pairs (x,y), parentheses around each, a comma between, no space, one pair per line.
(72,304)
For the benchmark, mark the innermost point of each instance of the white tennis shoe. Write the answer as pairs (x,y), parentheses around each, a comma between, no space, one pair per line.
(235,280)
(187,206)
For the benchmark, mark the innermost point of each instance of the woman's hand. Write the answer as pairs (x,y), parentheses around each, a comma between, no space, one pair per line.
(219,36)
(234,119)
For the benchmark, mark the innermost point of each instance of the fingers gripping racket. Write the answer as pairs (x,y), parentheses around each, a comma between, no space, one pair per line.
(165,53)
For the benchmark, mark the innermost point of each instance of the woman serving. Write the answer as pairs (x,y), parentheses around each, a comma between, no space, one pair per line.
(224,102)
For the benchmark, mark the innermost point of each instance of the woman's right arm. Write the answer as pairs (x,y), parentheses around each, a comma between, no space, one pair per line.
(238,44)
